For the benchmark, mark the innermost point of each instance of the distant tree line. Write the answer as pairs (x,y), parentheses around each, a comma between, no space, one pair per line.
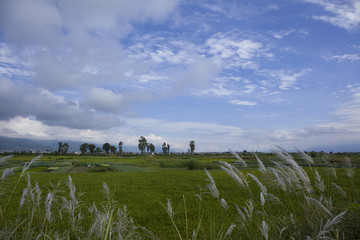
(143,145)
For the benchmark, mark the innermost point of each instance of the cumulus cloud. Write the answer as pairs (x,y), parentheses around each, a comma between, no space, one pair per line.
(21,99)
(235,52)
(41,21)
(344,14)
(286,79)
(105,100)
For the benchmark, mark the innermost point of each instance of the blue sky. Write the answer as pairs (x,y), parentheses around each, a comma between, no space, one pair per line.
(226,74)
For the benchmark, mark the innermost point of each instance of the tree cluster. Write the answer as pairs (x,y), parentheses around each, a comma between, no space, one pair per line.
(166,148)
(63,148)
(143,147)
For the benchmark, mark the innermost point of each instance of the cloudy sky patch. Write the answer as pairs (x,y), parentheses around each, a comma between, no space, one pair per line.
(245,75)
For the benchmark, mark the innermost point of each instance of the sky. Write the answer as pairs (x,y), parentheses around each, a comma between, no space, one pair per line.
(244,75)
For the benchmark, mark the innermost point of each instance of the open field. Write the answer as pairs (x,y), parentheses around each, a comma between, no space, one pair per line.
(146,183)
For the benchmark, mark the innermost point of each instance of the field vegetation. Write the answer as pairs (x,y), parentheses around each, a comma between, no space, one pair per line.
(181,196)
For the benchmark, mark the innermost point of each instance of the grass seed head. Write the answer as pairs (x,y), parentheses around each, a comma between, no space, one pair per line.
(7,173)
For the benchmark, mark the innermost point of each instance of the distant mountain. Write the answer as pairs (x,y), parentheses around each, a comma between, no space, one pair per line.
(24,144)
(336,148)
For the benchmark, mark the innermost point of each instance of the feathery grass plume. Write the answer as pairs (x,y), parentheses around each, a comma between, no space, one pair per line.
(261,186)
(3,159)
(198,197)
(170,212)
(325,158)
(262,167)
(241,214)
(72,207)
(278,180)
(234,173)
(211,185)
(109,197)
(48,201)
(271,197)
(229,230)
(264,229)
(287,158)
(27,165)
(349,170)
(23,197)
(106,189)
(169,208)
(305,156)
(100,224)
(340,190)
(8,172)
(224,204)
(330,224)
(125,227)
(262,199)
(331,171)
(72,190)
(249,209)
(319,182)
(239,159)
(318,204)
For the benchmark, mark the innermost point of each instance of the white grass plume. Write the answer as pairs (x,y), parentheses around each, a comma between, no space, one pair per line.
(239,159)
(249,209)
(340,190)
(331,171)
(169,208)
(241,214)
(305,156)
(211,185)
(7,173)
(287,158)
(318,204)
(3,159)
(23,197)
(319,182)
(262,199)
(261,186)
(229,230)
(27,165)
(48,202)
(349,170)
(278,180)
(330,224)
(234,173)
(264,229)
(262,167)
(224,204)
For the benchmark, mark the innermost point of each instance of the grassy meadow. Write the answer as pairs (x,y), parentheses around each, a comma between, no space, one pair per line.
(239,196)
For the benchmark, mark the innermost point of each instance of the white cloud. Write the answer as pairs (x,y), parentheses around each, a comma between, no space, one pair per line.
(243,103)
(350,111)
(105,100)
(217,90)
(285,33)
(236,52)
(345,57)
(287,79)
(344,14)
(225,47)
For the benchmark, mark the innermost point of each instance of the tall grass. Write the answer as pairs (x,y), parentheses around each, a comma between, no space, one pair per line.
(284,201)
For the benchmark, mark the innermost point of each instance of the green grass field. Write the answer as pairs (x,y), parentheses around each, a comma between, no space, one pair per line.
(145,183)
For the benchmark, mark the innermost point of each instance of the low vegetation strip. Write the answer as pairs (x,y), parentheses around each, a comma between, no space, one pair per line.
(279,201)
